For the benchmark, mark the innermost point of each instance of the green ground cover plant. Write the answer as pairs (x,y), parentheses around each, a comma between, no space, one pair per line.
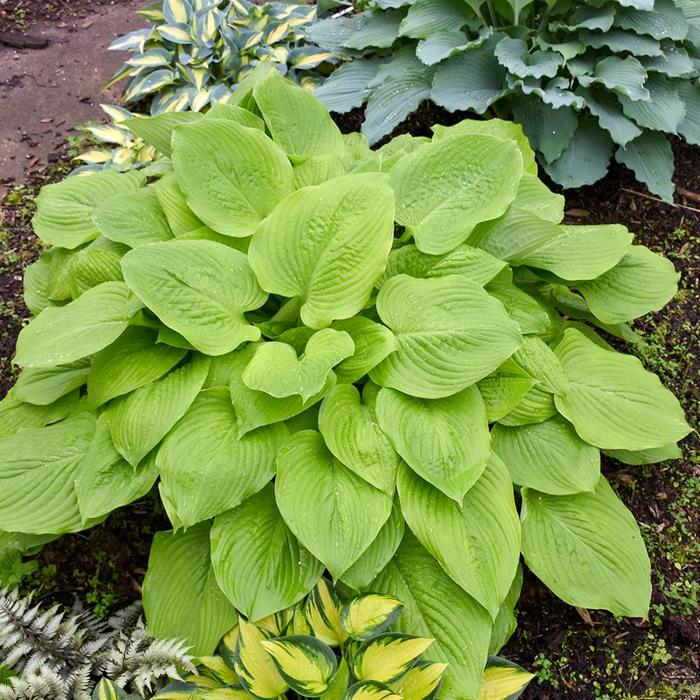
(379,364)
(587,80)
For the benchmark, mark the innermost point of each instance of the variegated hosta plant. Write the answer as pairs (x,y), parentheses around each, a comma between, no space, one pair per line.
(585,79)
(338,359)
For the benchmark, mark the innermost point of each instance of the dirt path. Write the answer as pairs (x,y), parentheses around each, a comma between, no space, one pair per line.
(46,92)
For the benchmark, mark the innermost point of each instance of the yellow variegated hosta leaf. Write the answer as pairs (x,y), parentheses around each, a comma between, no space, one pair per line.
(253,39)
(422,682)
(368,615)
(187,691)
(371,690)
(307,664)
(503,680)
(323,615)
(94,156)
(256,670)
(202,682)
(105,690)
(387,657)
(218,669)
(110,134)
(177,10)
(309,60)
(277,33)
(278,623)
(299,624)
(117,114)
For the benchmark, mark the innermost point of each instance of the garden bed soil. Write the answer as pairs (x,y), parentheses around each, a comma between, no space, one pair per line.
(577,655)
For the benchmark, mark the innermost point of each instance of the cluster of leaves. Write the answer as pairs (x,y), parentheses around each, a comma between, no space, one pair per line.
(59,656)
(306,342)
(585,79)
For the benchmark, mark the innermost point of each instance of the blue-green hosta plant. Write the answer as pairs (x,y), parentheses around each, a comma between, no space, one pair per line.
(587,80)
(343,360)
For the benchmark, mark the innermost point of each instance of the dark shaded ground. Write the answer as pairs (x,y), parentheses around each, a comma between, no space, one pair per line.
(23,15)
(576,656)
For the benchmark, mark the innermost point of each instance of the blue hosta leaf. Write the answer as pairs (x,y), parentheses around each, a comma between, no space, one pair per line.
(607,110)
(554,92)
(513,54)
(379,30)
(650,157)
(438,47)
(426,17)
(588,17)
(664,21)
(623,75)
(689,128)
(675,63)
(348,86)
(620,42)
(665,111)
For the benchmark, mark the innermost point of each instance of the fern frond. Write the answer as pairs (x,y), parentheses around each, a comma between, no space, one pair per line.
(44,684)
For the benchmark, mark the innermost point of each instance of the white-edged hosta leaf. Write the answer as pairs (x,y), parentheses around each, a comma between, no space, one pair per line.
(132,360)
(327,244)
(44,386)
(426,17)
(548,456)
(503,680)
(260,581)
(63,334)
(641,282)
(200,289)
(622,75)
(216,161)
(306,663)
(664,111)
(473,263)
(436,607)
(650,158)
(138,422)
(106,481)
(180,595)
(664,21)
(445,440)
(368,615)
(477,540)
(133,218)
(587,549)
(514,55)
(387,657)
(350,429)
(157,131)
(443,191)
(319,497)
(378,554)
(276,369)
(38,469)
(64,210)
(206,467)
(299,125)
(613,402)
(451,334)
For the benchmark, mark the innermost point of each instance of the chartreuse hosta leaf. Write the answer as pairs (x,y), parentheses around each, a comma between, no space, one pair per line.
(318,497)
(443,191)
(200,289)
(503,390)
(451,333)
(476,541)
(180,595)
(63,334)
(351,432)
(327,244)
(612,401)
(307,664)
(369,614)
(254,665)
(436,607)
(587,549)
(505,623)
(216,161)
(16,415)
(421,682)
(387,657)
(207,467)
(276,370)
(548,456)
(44,386)
(260,581)
(503,680)
(446,441)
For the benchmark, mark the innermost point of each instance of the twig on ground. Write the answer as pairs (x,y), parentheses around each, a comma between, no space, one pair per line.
(663,201)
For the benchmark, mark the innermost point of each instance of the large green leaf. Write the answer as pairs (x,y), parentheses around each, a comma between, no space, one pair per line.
(477,541)
(548,456)
(335,514)
(350,429)
(38,469)
(260,579)
(641,282)
(451,333)
(16,415)
(157,131)
(181,598)
(43,386)
(233,176)
(132,360)
(443,191)
(327,244)
(587,549)
(106,481)
(503,390)
(200,289)
(373,342)
(138,422)
(613,402)
(276,370)
(435,606)
(298,123)
(207,467)
(63,334)
(445,440)
(64,210)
